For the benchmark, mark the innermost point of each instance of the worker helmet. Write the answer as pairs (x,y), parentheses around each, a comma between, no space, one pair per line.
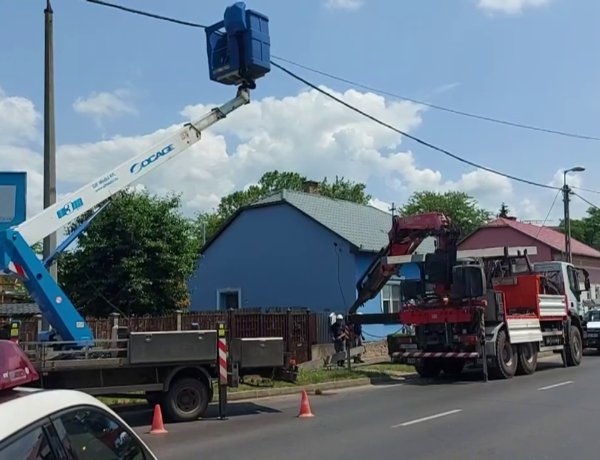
(339,316)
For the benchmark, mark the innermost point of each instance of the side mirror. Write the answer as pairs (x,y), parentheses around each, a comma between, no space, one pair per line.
(587,284)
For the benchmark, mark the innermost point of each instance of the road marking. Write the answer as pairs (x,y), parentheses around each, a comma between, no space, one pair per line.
(568,382)
(431,417)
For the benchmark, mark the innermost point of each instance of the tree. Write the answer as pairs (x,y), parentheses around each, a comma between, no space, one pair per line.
(587,229)
(134,258)
(503,211)
(461,208)
(273,181)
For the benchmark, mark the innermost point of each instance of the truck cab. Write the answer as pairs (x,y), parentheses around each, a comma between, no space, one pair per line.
(568,280)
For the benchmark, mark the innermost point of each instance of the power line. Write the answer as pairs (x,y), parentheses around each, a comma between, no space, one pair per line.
(549,211)
(150,15)
(370,88)
(585,189)
(586,200)
(414,138)
(440,107)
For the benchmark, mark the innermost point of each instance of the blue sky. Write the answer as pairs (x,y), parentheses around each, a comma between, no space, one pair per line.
(121,78)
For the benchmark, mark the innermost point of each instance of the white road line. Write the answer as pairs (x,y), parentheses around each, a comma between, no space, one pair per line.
(568,382)
(431,417)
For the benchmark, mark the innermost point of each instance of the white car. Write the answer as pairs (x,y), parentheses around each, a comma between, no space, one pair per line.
(59,424)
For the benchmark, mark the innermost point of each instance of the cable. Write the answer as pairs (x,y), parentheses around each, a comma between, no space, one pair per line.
(548,214)
(150,15)
(414,138)
(585,189)
(440,107)
(586,201)
(370,88)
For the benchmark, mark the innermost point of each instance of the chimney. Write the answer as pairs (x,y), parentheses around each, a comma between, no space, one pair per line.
(311,186)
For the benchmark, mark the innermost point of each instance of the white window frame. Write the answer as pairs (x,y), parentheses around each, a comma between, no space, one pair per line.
(392,286)
(229,291)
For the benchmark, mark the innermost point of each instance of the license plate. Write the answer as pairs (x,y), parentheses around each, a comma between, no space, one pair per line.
(411,360)
(592,334)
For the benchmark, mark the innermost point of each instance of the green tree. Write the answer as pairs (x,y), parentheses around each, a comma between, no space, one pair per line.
(503,211)
(460,207)
(587,229)
(270,182)
(134,258)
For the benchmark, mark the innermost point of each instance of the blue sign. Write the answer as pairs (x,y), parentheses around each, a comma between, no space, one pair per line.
(13,199)
(69,208)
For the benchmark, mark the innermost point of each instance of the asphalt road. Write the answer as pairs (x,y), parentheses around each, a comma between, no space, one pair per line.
(552,414)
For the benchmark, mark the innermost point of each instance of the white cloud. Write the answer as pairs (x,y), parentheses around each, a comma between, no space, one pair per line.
(307,133)
(509,6)
(351,5)
(18,119)
(105,104)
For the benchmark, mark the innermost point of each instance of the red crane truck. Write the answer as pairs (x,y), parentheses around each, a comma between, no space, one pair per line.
(489,307)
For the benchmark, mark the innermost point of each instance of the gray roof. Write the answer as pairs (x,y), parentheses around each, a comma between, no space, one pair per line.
(18,309)
(366,227)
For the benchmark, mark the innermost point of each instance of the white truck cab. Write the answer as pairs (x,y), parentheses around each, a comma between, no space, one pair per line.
(570,280)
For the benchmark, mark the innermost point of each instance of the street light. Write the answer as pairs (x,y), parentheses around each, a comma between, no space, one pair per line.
(566,192)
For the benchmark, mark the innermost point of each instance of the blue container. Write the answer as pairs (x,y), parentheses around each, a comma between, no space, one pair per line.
(239,47)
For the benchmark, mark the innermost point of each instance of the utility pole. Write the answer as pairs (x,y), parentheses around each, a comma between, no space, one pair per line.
(49,133)
(566,191)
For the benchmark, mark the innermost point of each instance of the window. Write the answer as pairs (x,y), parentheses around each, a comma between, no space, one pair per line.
(32,445)
(228,299)
(390,298)
(89,433)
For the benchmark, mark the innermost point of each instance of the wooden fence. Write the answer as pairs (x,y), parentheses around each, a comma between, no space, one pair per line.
(300,329)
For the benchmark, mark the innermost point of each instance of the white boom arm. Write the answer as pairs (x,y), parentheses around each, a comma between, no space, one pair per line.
(87,197)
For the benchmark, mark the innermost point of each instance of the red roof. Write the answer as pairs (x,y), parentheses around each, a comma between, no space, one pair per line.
(547,236)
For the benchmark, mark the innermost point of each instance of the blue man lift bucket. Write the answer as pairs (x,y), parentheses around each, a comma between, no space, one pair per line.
(239,47)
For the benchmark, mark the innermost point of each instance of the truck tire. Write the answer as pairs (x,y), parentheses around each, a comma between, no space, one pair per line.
(428,368)
(505,365)
(527,359)
(574,349)
(186,400)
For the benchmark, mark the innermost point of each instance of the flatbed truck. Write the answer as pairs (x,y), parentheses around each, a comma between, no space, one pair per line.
(174,368)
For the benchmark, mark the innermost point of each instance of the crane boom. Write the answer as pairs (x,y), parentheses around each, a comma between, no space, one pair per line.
(90,195)
(404,238)
(16,255)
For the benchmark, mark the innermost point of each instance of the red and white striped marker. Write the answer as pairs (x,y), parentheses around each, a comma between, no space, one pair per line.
(222,360)
(426,354)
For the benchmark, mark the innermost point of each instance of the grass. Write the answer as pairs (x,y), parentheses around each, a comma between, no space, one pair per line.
(305,377)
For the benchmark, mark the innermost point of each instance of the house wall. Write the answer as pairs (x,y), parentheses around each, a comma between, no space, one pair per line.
(491,237)
(277,257)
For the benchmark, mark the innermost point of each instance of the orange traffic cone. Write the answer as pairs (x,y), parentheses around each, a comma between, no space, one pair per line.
(305,406)
(157,422)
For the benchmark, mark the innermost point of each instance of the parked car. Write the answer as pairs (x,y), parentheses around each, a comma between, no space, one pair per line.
(57,424)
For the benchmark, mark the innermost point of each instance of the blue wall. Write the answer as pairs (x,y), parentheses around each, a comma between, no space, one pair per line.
(278,257)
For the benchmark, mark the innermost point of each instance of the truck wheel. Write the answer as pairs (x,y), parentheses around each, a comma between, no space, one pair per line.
(428,368)
(527,358)
(186,400)
(453,367)
(574,349)
(505,365)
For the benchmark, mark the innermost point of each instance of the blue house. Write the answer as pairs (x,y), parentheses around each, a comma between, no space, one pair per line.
(294,249)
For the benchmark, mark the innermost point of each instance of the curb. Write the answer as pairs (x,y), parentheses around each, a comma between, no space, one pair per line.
(335,385)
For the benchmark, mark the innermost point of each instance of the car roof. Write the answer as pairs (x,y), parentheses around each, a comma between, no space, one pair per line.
(22,407)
